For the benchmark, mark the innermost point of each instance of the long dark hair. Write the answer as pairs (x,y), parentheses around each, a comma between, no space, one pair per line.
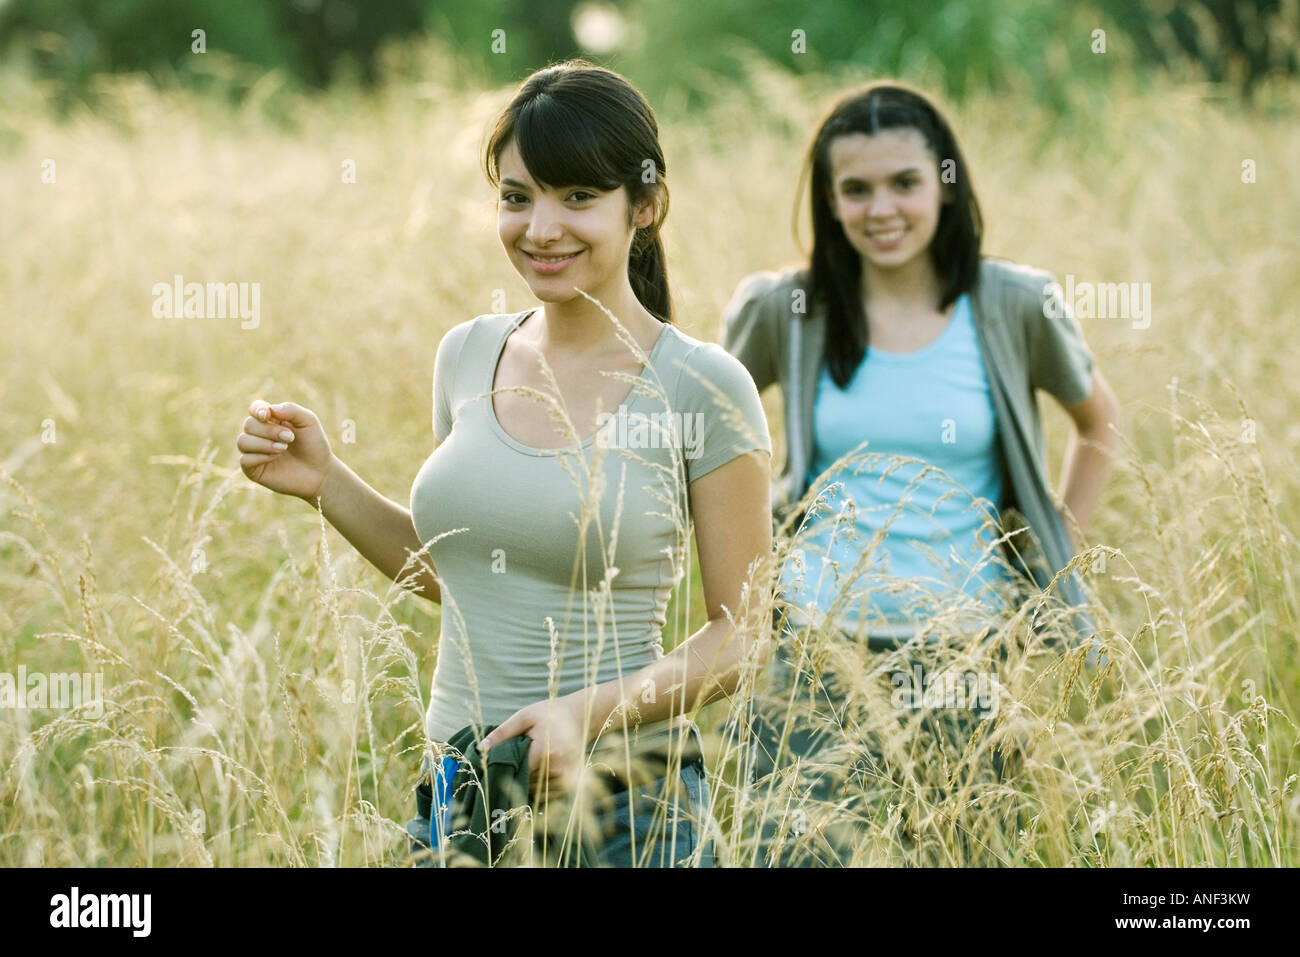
(578,124)
(835,268)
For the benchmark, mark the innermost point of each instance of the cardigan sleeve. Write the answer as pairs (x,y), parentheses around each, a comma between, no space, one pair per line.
(1059,359)
(748,331)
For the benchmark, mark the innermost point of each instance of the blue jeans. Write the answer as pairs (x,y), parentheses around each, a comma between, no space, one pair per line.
(811,731)
(649,825)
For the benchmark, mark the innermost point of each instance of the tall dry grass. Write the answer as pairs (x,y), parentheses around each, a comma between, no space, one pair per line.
(266,688)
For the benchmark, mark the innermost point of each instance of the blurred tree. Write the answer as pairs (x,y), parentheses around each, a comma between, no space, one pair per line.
(533,33)
(958,47)
(72,40)
(1239,42)
(321,32)
(669,45)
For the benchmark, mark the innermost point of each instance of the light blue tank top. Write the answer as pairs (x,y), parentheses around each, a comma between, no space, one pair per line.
(932,542)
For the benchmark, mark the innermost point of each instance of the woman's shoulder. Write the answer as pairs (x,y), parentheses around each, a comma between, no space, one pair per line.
(772,283)
(1018,278)
(1030,303)
(703,380)
(691,363)
(765,300)
(494,323)
(479,331)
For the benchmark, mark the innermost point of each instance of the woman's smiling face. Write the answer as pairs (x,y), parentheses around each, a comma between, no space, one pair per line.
(885,191)
(562,237)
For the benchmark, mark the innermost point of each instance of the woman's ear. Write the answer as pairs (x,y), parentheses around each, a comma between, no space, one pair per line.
(645,213)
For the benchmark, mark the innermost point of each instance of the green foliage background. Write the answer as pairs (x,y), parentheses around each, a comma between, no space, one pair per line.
(674,49)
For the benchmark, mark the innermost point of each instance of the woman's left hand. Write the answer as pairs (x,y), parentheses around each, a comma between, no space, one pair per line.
(558,748)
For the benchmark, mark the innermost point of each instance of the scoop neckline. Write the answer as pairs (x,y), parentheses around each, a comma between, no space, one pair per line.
(960,310)
(514,443)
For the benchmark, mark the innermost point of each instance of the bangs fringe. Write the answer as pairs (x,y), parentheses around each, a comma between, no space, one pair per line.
(559,148)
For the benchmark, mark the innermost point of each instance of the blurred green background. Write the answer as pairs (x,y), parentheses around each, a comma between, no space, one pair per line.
(677,52)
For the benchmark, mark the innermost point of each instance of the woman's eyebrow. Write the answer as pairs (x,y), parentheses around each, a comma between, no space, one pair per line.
(852,178)
(507,181)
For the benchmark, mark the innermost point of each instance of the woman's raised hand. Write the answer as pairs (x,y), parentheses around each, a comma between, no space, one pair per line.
(285,449)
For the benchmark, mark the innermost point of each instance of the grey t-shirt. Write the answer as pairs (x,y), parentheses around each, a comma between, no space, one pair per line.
(557,565)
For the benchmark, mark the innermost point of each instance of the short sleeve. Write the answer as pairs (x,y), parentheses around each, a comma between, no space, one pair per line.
(726,414)
(746,334)
(1059,359)
(445,362)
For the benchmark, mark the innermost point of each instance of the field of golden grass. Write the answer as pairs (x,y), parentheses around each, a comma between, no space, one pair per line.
(265,687)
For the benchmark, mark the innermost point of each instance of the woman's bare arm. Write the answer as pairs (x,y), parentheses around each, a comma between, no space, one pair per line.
(379,528)
(1089,452)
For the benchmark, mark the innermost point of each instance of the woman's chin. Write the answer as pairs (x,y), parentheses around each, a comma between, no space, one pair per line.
(559,293)
(894,259)
(552,292)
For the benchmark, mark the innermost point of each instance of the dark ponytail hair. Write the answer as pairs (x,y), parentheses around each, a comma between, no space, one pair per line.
(835,272)
(577,124)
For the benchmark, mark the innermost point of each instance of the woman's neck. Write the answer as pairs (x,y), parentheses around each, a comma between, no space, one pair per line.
(582,326)
(915,284)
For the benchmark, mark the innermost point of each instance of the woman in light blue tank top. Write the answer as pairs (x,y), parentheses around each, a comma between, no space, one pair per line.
(897,565)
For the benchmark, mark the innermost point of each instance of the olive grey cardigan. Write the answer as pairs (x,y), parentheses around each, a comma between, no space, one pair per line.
(1028,341)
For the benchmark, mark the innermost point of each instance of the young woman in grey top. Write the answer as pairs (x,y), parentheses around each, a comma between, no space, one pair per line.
(898,332)
(574,446)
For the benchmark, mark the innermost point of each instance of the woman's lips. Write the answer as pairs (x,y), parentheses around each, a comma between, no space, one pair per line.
(887,238)
(553,266)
